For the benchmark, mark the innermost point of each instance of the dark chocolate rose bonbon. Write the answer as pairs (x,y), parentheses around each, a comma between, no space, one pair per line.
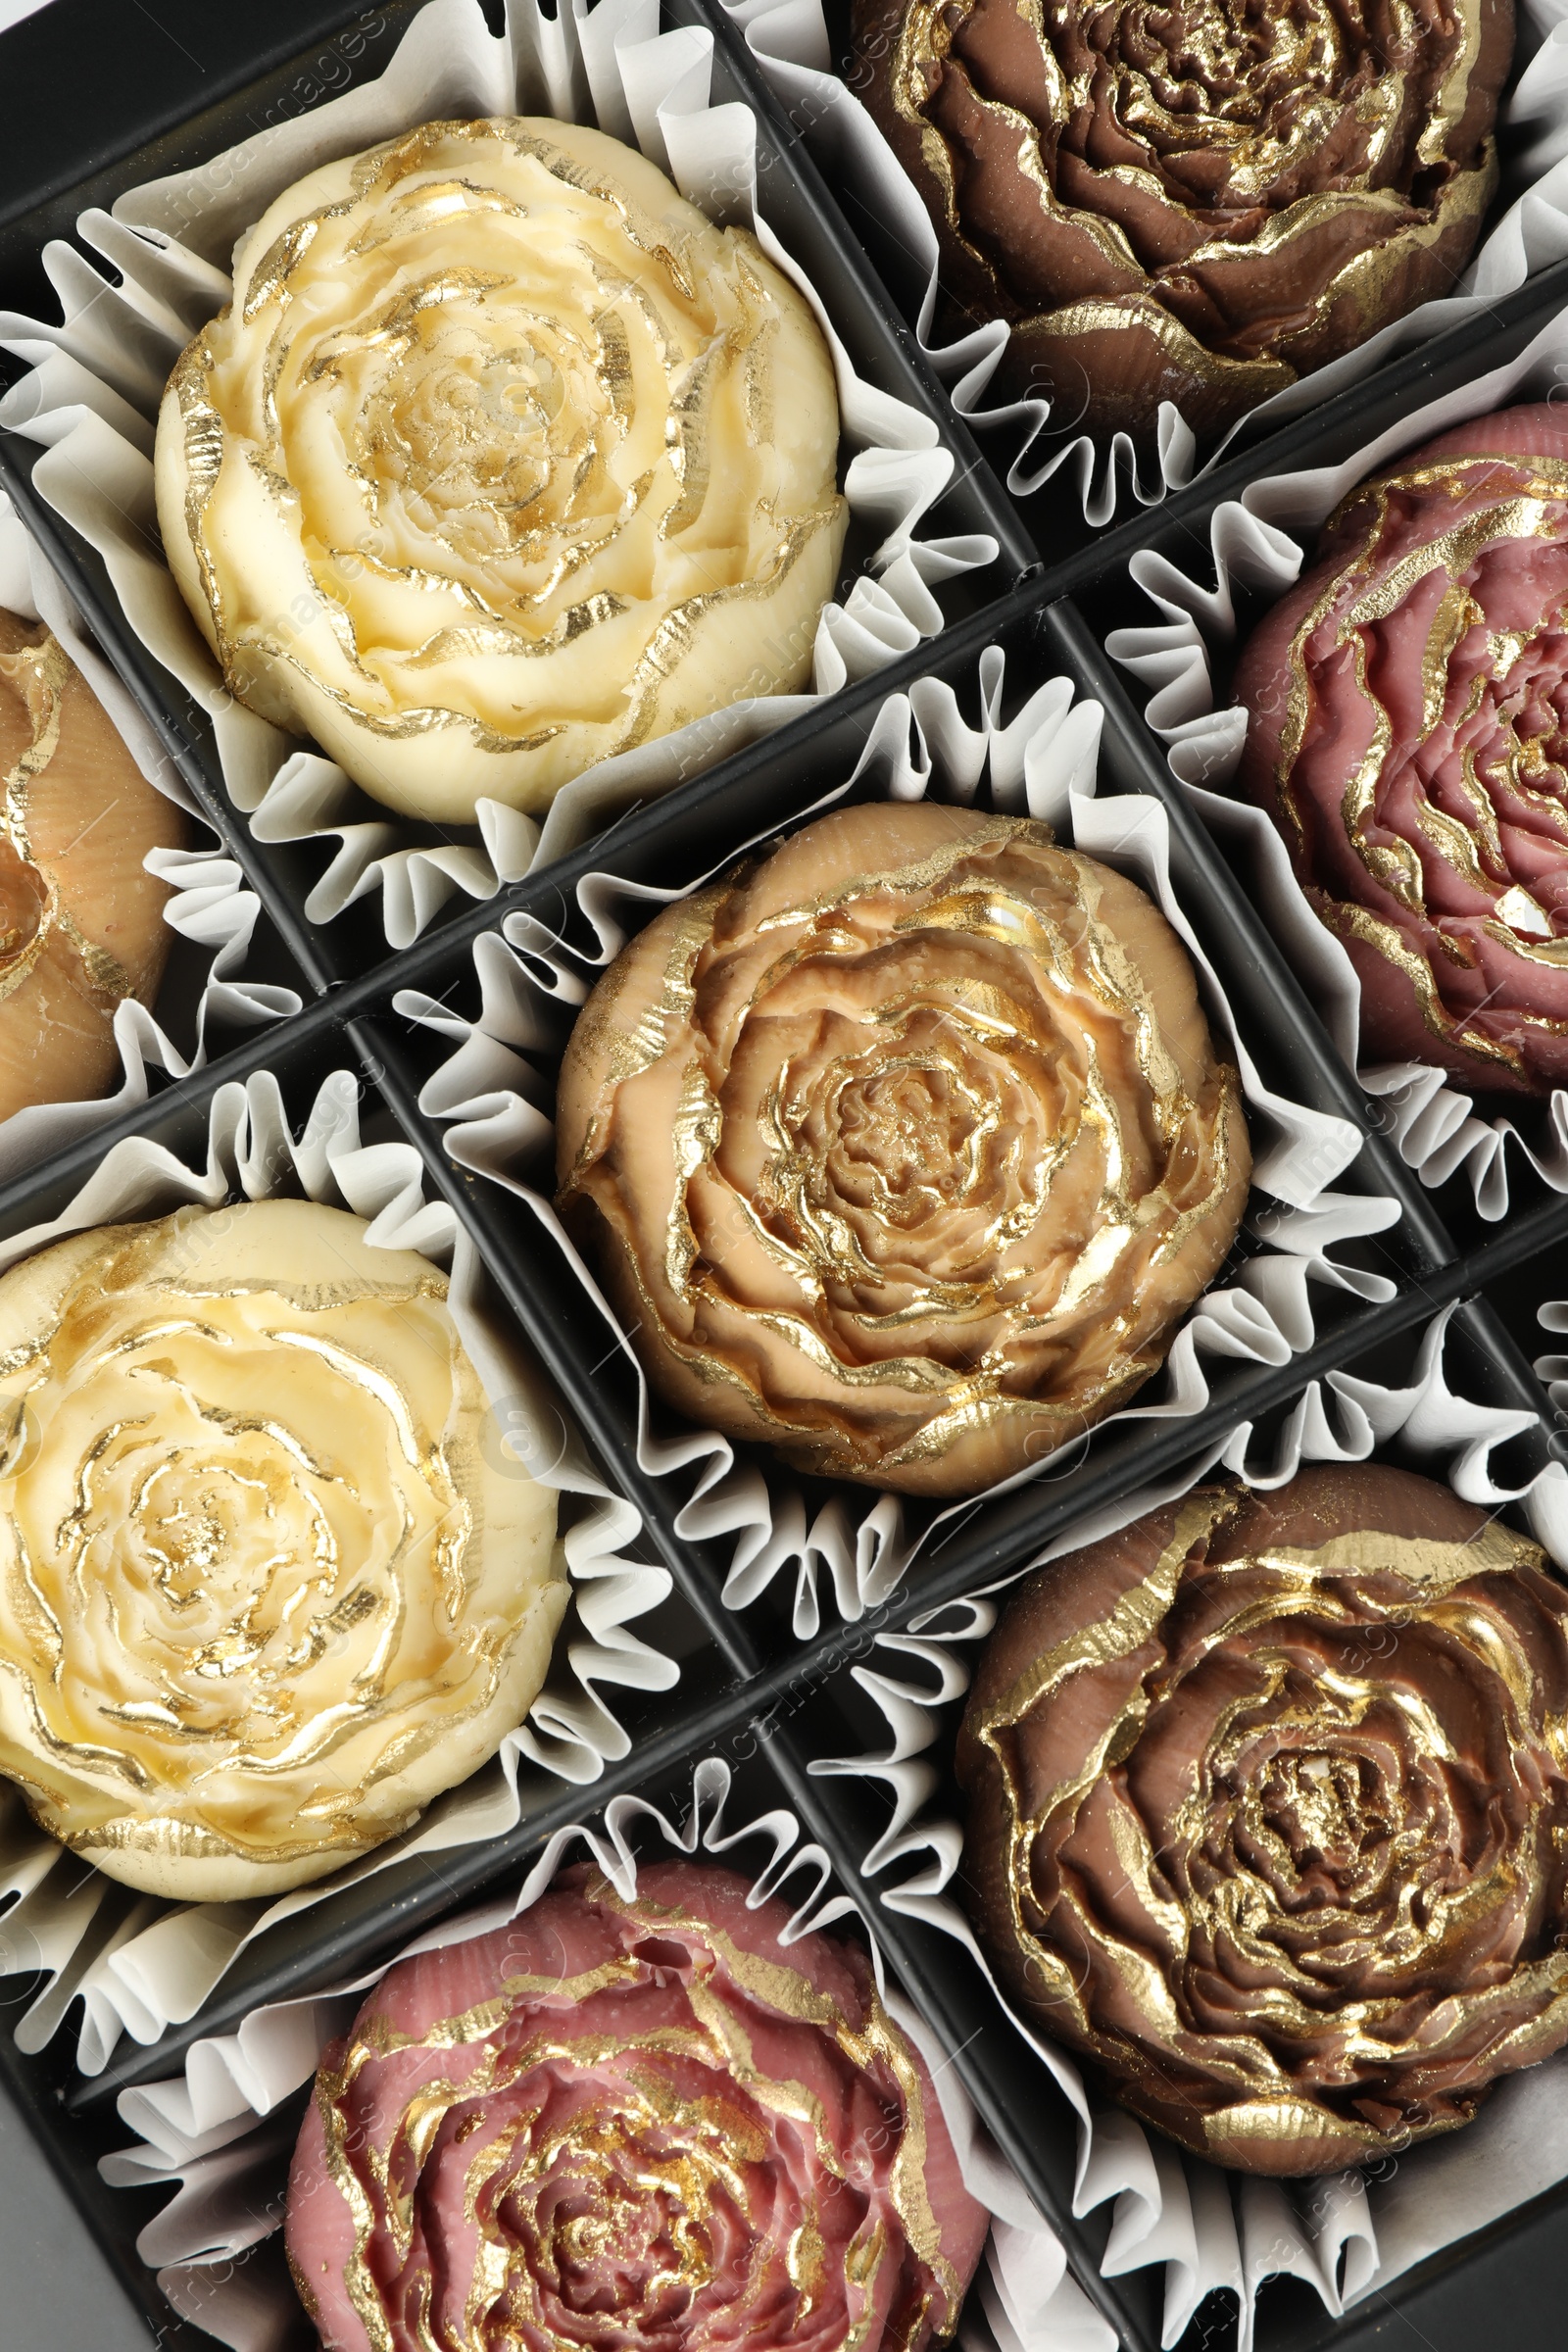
(1269,1813)
(1408,733)
(1198,203)
(630,2121)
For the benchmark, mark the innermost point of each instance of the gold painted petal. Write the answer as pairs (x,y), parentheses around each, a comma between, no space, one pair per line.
(1426,816)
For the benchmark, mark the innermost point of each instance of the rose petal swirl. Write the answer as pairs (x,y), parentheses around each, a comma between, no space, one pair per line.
(262,1592)
(1408,732)
(630,2124)
(1269,1813)
(905,1152)
(502,460)
(1195,203)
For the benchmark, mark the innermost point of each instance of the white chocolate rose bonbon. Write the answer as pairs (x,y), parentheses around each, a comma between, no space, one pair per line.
(502,460)
(264,1588)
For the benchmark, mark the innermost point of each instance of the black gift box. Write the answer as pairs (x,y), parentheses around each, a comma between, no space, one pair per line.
(749,1688)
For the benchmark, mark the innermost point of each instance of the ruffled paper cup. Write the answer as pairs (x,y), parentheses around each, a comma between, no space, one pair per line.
(1260,544)
(493,1095)
(1350,2235)
(138,1964)
(790,41)
(95,382)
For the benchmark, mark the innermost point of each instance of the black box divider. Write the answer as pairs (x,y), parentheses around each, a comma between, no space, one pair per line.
(1250,965)
(37,1193)
(1019,2103)
(136,85)
(1323,436)
(1013,2092)
(545,1295)
(807,215)
(797,202)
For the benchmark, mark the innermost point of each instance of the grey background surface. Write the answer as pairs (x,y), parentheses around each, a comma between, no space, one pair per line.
(57,2292)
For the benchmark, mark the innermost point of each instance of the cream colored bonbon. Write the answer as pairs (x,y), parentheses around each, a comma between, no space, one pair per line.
(501,461)
(266,1586)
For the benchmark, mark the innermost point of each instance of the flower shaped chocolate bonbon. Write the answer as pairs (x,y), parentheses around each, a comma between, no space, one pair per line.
(1408,732)
(502,460)
(905,1150)
(620,2123)
(1269,1813)
(264,1588)
(81,921)
(1196,203)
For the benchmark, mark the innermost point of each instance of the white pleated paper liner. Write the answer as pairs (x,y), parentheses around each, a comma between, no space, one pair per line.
(1552,1370)
(1260,542)
(210,2130)
(1350,2235)
(790,41)
(139,1964)
(492,1095)
(210,904)
(92,396)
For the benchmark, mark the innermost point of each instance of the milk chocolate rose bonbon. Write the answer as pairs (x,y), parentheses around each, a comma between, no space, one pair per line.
(1407,710)
(264,1588)
(502,460)
(81,921)
(619,2123)
(1196,204)
(1269,1813)
(905,1151)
